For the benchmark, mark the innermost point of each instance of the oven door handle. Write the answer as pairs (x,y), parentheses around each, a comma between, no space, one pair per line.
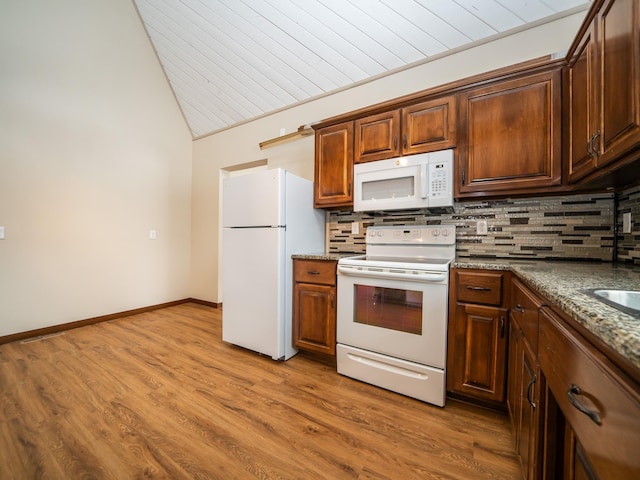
(426,277)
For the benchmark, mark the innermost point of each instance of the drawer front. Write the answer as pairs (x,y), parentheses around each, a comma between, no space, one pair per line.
(483,288)
(315,271)
(612,440)
(524,310)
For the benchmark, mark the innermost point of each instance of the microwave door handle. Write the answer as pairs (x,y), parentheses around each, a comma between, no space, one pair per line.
(424,180)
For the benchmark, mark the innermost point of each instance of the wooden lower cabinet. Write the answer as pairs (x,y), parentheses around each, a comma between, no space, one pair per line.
(477,339)
(314,305)
(478,366)
(524,401)
(593,410)
(574,414)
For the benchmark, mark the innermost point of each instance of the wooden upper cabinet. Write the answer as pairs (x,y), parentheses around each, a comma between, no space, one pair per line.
(424,127)
(377,136)
(333,185)
(618,35)
(510,137)
(604,89)
(429,126)
(581,107)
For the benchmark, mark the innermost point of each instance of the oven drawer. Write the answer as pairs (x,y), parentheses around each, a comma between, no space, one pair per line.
(315,271)
(408,378)
(483,288)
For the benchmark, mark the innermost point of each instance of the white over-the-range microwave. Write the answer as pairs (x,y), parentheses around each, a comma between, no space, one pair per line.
(424,180)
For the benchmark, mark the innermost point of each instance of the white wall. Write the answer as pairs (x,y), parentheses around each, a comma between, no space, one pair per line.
(93,154)
(240,144)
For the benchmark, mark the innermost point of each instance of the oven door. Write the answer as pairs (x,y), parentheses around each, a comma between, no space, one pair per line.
(402,314)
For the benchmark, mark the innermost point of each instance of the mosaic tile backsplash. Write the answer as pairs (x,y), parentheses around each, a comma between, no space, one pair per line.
(564,227)
(629,243)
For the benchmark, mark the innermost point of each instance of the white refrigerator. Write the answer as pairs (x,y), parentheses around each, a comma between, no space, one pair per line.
(267,216)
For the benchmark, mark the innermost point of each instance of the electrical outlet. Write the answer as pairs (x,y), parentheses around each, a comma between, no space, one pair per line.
(1,233)
(626,222)
(481,227)
(355,228)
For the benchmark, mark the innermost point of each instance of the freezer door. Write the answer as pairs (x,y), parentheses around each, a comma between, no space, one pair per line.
(255,199)
(253,309)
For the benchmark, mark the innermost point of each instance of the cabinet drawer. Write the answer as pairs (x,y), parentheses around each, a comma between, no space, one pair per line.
(484,288)
(611,440)
(315,271)
(524,310)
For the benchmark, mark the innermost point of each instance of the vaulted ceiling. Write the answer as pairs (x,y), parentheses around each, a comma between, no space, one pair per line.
(230,61)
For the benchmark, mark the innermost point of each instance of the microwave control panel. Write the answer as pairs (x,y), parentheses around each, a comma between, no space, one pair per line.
(440,179)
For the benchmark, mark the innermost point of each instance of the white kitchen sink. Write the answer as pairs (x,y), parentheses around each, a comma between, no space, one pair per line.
(626,300)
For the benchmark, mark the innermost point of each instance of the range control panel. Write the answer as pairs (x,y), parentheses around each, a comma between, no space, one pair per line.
(412,235)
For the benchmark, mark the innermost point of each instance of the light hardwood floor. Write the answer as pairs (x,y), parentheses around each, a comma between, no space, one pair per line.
(159,395)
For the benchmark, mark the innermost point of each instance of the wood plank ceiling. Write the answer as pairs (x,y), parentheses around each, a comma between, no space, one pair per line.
(230,61)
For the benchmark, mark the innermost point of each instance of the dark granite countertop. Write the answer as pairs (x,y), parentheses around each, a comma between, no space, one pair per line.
(564,284)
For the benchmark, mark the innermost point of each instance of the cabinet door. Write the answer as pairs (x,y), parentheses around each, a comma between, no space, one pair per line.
(314,317)
(510,137)
(514,374)
(576,465)
(528,422)
(618,34)
(333,186)
(429,126)
(602,408)
(377,136)
(582,107)
(477,363)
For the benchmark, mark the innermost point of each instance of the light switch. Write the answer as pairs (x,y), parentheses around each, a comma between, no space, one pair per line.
(1,233)
(355,228)
(152,234)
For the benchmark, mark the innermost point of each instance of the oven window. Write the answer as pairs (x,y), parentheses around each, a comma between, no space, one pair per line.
(390,308)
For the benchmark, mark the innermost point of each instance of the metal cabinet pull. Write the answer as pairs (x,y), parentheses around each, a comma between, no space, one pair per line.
(404,141)
(501,327)
(518,308)
(571,393)
(395,142)
(534,379)
(478,289)
(594,148)
(332,304)
(313,272)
